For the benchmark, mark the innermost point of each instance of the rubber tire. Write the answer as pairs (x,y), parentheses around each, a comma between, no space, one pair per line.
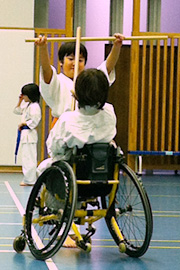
(64,180)
(129,192)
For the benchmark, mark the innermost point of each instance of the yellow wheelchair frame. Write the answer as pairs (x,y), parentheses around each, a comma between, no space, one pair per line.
(59,201)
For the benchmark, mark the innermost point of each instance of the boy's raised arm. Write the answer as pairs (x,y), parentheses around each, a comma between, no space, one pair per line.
(44,58)
(114,53)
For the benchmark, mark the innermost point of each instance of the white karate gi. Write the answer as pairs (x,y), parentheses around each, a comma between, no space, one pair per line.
(77,128)
(58,94)
(31,115)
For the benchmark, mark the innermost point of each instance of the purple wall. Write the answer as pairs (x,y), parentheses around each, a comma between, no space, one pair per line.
(170,16)
(57,14)
(143,15)
(97,25)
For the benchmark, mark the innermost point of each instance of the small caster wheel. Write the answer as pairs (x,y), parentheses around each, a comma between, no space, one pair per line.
(84,246)
(122,247)
(19,244)
(88,248)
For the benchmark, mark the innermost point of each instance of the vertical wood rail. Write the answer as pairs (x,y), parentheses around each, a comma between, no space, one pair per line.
(134,93)
(69,17)
(156,116)
(52,52)
(170,109)
(142,109)
(133,102)
(58,64)
(130,122)
(136,16)
(164,97)
(49,119)
(177,99)
(149,122)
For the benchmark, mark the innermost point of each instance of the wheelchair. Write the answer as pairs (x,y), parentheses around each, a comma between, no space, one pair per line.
(96,183)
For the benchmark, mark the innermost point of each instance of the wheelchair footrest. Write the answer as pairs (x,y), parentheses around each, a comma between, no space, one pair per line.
(85,244)
(91,230)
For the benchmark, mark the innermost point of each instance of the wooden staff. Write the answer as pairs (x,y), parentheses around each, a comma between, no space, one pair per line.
(73,39)
(76,68)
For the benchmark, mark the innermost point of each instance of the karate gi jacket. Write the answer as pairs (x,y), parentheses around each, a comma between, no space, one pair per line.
(58,94)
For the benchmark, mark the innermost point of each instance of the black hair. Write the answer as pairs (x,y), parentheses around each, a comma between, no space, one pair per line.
(69,48)
(91,88)
(32,91)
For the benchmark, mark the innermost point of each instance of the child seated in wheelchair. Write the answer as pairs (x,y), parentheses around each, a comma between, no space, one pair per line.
(93,120)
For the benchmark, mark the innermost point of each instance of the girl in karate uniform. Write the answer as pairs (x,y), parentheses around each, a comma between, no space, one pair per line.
(30,111)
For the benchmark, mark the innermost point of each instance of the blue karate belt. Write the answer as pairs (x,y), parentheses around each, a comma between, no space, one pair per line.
(18,140)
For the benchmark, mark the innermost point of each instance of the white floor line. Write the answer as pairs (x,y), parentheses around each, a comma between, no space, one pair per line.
(50,264)
(12,251)
(10,224)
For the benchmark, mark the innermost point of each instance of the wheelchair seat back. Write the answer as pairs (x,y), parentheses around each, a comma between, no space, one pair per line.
(95,162)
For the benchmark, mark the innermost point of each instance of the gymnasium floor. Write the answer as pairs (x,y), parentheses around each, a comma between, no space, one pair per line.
(163,254)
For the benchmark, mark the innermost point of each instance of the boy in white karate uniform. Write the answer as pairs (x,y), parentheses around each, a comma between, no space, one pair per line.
(56,88)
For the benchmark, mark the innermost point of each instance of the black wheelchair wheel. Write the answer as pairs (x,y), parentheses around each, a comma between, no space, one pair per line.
(50,210)
(132,212)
